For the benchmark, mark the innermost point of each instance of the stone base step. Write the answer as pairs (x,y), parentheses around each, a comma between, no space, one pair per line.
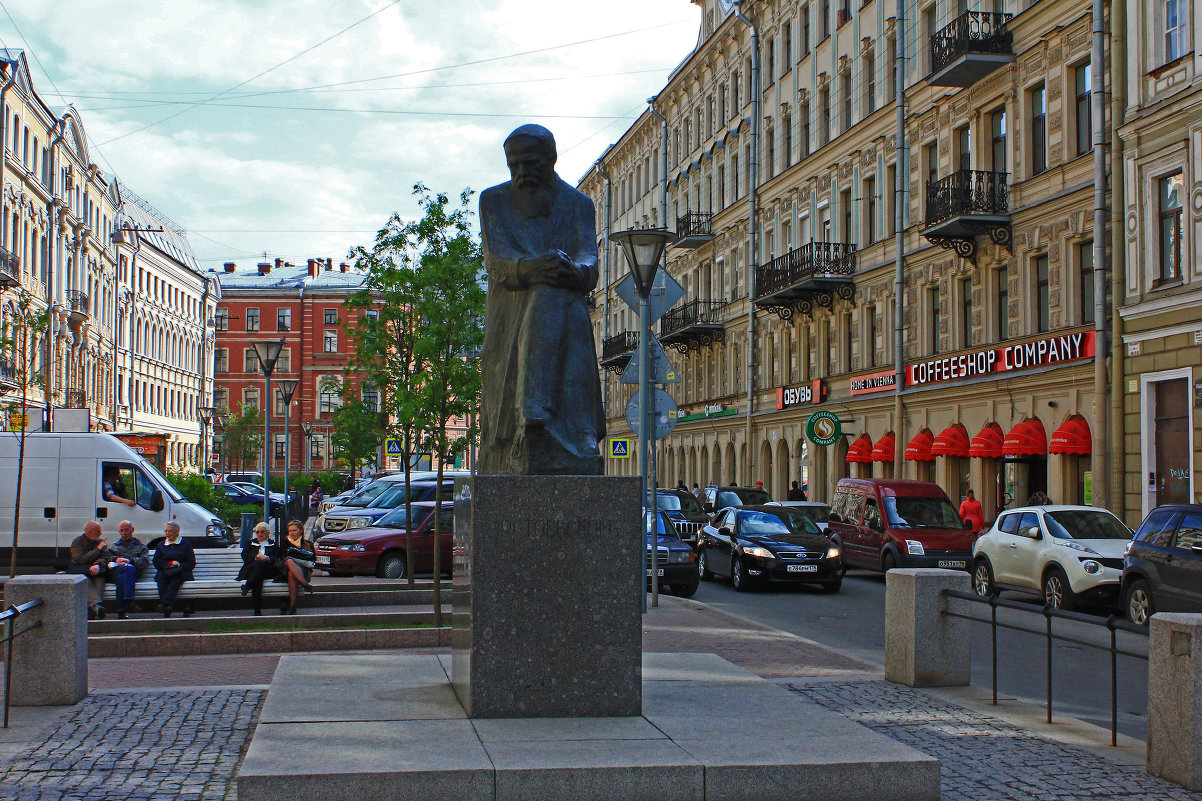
(300,637)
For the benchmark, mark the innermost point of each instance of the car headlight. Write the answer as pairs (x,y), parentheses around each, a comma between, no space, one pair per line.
(914,548)
(834,552)
(356,522)
(320,522)
(1076,546)
(1091,566)
(676,557)
(762,553)
(354,547)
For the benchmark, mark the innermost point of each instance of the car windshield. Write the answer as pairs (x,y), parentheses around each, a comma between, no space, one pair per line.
(1083,524)
(766,524)
(368,495)
(397,518)
(921,513)
(677,503)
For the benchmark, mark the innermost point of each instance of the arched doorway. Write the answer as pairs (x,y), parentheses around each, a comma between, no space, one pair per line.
(729,474)
(764,466)
(716,465)
(784,470)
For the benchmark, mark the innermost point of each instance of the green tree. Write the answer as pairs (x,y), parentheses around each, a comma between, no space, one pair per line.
(357,432)
(242,438)
(449,302)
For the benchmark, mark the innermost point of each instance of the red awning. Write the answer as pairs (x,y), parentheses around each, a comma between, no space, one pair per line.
(860,451)
(1072,437)
(919,449)
(1026,439)
(952,441)
(987,444)
(884,448)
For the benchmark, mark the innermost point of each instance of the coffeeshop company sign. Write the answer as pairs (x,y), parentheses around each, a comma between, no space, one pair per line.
(823,428)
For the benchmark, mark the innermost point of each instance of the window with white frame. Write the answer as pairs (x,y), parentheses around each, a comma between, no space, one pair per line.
(1168,195)
(330,342)
(1175,40)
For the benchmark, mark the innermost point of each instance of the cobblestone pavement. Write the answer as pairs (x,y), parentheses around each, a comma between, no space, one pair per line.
(983,758)
(160,746)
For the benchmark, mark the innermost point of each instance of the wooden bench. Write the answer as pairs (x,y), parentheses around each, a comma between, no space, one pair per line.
(215,576)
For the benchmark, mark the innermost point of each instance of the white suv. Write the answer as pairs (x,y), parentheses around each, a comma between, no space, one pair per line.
(1066,554)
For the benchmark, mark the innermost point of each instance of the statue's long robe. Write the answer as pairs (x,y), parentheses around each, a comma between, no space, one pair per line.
(540,409)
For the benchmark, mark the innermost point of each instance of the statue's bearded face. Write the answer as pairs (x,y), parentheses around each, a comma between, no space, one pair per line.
(531,166)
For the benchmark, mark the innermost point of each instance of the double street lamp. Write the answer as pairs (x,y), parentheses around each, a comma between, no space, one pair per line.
(307,430)
(287,390)
(643,249)
(269,354)
(209,416)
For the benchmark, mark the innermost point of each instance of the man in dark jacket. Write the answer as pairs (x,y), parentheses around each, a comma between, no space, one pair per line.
(796,493)
(128,558)
(89,557)
(174,560)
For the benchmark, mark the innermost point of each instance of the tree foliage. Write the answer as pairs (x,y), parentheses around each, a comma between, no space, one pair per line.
(242,438)
(357,433)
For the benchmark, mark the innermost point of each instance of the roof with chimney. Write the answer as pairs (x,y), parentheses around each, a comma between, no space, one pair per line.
(316,274)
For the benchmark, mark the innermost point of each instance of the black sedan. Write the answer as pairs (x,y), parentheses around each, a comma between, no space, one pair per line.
(676,566)
(237,493)
(762,544)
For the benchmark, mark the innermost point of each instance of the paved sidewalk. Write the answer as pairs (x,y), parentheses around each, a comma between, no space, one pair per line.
(161,728)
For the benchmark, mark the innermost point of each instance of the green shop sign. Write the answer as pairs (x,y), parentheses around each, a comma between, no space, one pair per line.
(823,428)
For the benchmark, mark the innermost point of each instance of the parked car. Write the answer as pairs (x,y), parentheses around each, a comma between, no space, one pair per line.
(1066,554)
(675,560)
(684,511)
(368,491)
(1163,568)
(242,493)
(380,549)
(885,523)
(253,478)
(250,486)
(342,518)
(763,544)
(817,511)
(718,498)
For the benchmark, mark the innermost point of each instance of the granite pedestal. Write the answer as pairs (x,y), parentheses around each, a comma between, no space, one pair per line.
(547,591)
(1175,698)
(379,727)
(50,663)
(923,646)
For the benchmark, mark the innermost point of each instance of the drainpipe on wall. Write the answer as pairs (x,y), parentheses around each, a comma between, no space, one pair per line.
(605,252)
(753,236)
(1117,272)
(899,245)
(1100,463)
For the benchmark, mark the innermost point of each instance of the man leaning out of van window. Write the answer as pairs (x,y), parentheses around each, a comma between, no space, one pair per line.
(89,557)
(113,490)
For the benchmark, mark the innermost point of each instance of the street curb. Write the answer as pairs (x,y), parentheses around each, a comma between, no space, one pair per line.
(260,642)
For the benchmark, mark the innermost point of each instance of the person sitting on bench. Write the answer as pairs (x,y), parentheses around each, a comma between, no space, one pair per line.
(258,564)
(174,560)
(128,558)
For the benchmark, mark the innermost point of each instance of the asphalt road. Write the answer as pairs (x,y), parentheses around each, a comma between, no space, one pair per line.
(853,622)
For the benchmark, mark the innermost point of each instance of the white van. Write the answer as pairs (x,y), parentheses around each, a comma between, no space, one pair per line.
(61,490)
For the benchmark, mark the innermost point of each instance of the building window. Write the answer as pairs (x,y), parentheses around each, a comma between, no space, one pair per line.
(1169,200)
(317,447)
(787,143)
(252,319)
(804,116)
(1003,303)
(964,148)
(371,399)
(280,406)
(1084,127)
(250,396)
(869,84)
(805,31)
(221,398)
(1085,272)
(1174,30)
(770,51)
(770,156)
(786,47)
(1043,312)
(933,329)
(890,190)
(1039,131)
(870,337)
(283,320)
(330,342)
(283,362)
(221,320)
(327,399)
(221,360)
(891,90)
(845,90)
(825,22)
(331,317)
(848,224)
(870,200)
(279,447)
(250,361)
(997,127)
(824,116)
(966,311)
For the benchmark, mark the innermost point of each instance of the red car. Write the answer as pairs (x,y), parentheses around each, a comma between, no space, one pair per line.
(379,550)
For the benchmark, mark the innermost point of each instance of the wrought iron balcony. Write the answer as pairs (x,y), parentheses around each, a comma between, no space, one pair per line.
(77,306)
(77,399)
(816,273)
(975,44)
(965,204)
(10,269)
(691,325)
(617,350)
(694,229)
(8,372)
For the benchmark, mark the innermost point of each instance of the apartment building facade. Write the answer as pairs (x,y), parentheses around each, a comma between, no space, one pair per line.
(795,313)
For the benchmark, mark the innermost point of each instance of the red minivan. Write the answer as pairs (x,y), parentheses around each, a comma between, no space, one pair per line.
(885,523)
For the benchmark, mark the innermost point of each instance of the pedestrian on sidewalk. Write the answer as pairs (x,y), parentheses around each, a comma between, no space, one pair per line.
(971,512)
(89,558)
(698,493)
(174,559)
(796,493)
(297,564)
(258,564)
(128,559)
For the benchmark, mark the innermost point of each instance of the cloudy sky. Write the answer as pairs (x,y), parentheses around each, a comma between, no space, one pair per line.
(296,127)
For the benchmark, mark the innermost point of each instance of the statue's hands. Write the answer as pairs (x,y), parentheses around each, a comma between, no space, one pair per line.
(554,268)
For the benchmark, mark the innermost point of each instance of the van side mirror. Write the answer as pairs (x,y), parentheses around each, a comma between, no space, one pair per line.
(724,531)
(156,501)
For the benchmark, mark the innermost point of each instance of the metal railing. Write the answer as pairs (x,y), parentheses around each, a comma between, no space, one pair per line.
(9,616)
(8,370)
(695,223)
(623,343)
(77,301)
(1112,624)
(694,312)
(77,399)
(971,32)
(815,260)
(10,268)
(966,193)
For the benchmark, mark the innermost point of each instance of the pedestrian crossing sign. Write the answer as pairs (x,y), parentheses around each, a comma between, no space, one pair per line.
(619,448)
(392,446)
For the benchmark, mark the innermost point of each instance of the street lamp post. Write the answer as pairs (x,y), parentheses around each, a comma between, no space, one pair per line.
(307,430)
(268,353)
(207,414)
(287,389)
(643,249)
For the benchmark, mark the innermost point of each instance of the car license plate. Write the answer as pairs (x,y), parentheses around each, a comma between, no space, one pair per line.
(323,560)
(801,568)
(659,573)
(953,563)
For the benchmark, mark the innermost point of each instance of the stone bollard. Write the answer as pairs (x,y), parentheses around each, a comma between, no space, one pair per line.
(50,663)
(924,647)
(1175,698)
